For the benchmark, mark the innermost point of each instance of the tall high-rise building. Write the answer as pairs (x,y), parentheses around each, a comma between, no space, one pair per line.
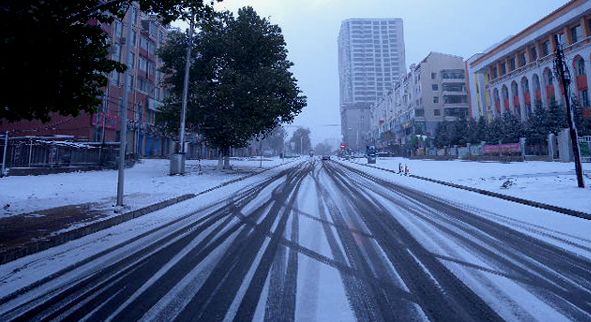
(371,59)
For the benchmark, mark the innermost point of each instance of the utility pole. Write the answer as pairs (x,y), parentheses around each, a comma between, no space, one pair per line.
(563,75)
(4,155)
(177,162)
(261,151)
(124,105)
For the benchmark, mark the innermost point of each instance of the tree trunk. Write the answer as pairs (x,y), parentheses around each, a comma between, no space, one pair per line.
(226,152)
(220,160)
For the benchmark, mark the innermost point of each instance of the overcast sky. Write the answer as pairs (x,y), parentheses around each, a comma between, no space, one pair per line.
(310,27)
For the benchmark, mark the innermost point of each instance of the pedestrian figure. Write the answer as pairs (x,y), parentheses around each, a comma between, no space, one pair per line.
(406,170)
(399,167)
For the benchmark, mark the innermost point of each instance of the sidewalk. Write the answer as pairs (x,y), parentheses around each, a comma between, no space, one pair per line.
(145,183)
(552,183)
(24,233)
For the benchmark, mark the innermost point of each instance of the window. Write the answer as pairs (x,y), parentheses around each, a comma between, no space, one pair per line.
(130,84)
(453,74)
(512,63)
(435,99)
(433,75)
(437,112)
(435,87)
(455,99)
(151,68)
(533,53)
(133,16)
(503,69)
(457,112)
(115,78)
(580,67)
(118,29)
(495,73)
(522,59)
(143,64)
(576,33)
(546,48)
(561,39)
(133,39)
(585,98)
(453,87)
(419,112)
(117,52)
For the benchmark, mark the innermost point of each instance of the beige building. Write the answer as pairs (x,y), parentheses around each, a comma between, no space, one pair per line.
(517,75)
(434,90)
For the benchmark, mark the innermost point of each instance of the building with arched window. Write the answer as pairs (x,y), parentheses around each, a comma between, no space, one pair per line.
(516,75)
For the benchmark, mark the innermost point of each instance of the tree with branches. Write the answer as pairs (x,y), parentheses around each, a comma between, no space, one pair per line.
(241,85)
(54,55)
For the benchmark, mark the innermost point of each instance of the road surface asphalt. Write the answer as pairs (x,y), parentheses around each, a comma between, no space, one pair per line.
(327,242)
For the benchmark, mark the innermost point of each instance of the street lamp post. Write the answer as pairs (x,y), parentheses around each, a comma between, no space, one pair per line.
(124,105)
(177,161)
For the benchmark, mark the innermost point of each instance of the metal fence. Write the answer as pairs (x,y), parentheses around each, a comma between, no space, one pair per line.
(585,146)
(39,152)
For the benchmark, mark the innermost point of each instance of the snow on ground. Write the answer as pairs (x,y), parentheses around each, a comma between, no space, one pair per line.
(146,183)
(24,271)
(526,219)
(548,182)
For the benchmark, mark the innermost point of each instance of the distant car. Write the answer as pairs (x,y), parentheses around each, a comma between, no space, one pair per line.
(325,157)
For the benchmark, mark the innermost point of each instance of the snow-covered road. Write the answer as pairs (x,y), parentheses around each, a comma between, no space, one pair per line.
(321,241)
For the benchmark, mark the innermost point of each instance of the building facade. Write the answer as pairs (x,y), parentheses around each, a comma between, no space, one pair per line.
(517,74)
(433,91)
(144,92)
(371,58)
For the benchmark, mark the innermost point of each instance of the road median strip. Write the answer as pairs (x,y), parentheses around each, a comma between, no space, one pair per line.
(50,241)
(527,202)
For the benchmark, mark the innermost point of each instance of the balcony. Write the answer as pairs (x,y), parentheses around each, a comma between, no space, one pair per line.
(452,93)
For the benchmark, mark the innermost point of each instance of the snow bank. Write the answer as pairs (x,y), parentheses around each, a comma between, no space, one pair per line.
(548,182)
(146,183)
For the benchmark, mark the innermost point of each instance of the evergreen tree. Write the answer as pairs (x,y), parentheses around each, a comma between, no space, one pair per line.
(511,129)
(481,130)
(442,138)
(556,119)
(300,139)
(536,130)
(583,124)
(494,130)
(241,84)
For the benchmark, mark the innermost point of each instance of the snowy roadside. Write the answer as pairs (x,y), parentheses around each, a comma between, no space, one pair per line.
(27,270)
(146,183)
(552,227)
(552,183)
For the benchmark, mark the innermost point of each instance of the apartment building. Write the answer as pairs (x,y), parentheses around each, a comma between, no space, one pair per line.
(371,58)
(517,74)
(432,91)
(144,91)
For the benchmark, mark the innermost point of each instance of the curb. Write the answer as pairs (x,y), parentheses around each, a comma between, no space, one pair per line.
(62,238)
(51,241)
(531,203)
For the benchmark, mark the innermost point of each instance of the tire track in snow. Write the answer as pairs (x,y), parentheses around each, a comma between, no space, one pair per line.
(440,294)
(554,275)
(85,287)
